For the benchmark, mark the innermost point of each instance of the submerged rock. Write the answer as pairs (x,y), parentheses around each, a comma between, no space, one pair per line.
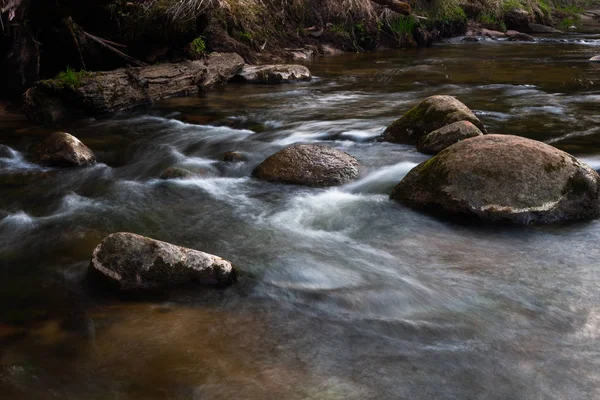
(61,149)
(309,165)
(432,113)
(234,156)
(503,178)
(439,139)
(274,74)
(176,173)
(521,37)
(132,262)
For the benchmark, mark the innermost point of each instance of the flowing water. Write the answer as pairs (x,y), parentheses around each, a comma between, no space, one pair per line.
(346,294)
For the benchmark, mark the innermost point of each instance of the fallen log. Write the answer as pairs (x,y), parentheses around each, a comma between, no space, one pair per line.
(100,93)
(397,6)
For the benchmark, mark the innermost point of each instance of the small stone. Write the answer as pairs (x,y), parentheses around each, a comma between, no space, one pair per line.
(233,157)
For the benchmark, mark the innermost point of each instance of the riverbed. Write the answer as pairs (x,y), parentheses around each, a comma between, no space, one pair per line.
(345,294)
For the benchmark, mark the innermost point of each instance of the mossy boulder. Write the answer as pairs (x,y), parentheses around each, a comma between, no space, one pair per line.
(431,114)
(439,139)
(130,262)
(503,178)
(309,165)
(61,149)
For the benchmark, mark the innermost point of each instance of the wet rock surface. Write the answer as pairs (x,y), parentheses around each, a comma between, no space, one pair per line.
(131,262)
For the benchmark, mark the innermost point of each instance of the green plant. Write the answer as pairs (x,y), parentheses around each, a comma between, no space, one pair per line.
(72,78)
(403,25)
(568,22)
(199,45)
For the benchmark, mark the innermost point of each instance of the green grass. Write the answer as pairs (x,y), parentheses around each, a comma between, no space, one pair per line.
(72,78)
(199,45)
(508,5)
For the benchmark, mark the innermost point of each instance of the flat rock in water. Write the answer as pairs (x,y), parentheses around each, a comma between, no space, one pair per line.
(61,149)
(439,139)
(433,113)
(282,73)
(132,262)
(503,178)
(100,93)
(309,165)
(538,28)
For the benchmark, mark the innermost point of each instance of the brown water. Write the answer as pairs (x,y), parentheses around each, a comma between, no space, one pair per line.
(347,295)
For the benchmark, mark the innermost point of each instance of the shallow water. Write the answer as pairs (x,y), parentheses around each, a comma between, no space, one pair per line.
(346,295)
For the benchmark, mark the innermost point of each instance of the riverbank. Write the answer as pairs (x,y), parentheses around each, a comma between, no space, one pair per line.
(43,39)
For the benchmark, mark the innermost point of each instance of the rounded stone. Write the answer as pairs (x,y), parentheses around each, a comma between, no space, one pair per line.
(309,165)
(439,139)
(432,113)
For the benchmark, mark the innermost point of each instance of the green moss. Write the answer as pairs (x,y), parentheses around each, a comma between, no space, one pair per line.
(199,45)
(72,78)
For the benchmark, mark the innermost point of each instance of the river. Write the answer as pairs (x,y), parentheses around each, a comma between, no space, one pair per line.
(345,294)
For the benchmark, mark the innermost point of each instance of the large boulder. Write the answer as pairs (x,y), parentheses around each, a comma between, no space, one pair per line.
(439,139)
(503,178)
(432,113)
(518,20)
(273,74)
(309,165)
(131,262)
(61,149)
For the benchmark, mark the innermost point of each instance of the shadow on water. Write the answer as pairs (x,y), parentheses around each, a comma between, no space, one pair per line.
(347,295)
